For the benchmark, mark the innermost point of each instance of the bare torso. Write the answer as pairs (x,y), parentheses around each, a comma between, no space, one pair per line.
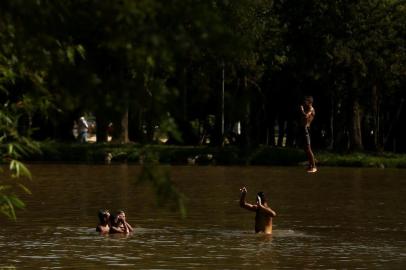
(103,228)
(263,222)
(308,116)
(263,213)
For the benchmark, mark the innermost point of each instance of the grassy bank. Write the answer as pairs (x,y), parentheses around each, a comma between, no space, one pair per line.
(203,155)
(379,160)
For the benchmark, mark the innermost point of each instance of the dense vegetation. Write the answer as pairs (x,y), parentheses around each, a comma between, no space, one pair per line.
(191,70)
(196,68)
(12,147)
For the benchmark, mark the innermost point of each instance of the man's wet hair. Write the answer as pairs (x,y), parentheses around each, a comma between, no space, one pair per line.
(101,214)
(309,99)
(262,196)
(113,219)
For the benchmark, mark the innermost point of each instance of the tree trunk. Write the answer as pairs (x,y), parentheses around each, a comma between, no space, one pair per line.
(62,129)
(184,96)
(123,136)
(332,112)
(135,127)
(355,126)
(291,132)
(246,127)
(375,114)
(281,130)
(394,123)
(101,127)
(43,128)
(271,133)
(246,123)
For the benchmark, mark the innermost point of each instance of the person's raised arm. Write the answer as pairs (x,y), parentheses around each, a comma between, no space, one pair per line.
(308,114)
(128,226)
(266,209)
(114,229)
(243,203)
(302,110)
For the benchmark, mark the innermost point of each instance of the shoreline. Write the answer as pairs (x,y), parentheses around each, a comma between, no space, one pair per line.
(206,155)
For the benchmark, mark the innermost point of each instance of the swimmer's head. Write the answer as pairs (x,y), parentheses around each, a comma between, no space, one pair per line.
(103,215)
(120,215)
(308,100)
(261,196)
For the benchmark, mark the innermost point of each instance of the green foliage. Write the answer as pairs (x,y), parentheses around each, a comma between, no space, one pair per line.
(23,92)
(156,59)
(13,147)
(159,177)
(168,126)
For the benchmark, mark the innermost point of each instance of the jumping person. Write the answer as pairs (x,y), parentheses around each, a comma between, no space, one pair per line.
(264,214)
(308,114)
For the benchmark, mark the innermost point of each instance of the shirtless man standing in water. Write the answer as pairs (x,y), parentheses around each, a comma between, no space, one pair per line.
(264,214)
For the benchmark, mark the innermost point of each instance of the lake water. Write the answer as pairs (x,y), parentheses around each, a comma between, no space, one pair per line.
(339,218)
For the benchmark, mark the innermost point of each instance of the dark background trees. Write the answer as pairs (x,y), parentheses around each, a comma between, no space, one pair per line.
(195,69)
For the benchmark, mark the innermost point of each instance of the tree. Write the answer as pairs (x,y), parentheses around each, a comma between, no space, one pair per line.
(344,53)
(13,147)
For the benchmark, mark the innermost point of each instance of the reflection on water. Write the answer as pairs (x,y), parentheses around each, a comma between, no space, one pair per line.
(158,247)
(338,218)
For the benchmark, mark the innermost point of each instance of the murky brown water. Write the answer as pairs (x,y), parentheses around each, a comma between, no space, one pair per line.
(340,218)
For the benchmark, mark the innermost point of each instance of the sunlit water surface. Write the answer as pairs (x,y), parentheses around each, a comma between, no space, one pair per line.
(339,218)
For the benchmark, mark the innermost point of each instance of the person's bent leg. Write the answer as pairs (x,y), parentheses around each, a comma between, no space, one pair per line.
(310,157)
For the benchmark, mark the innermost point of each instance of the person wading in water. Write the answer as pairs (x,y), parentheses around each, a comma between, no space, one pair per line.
(264,214)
